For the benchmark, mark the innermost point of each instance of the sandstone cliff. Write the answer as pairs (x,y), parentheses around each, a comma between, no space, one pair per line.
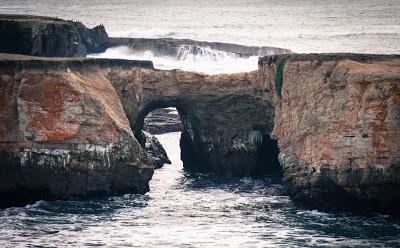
(63,132)
(70,127)
(337,123)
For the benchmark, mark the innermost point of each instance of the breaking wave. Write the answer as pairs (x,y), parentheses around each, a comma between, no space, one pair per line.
(188,58)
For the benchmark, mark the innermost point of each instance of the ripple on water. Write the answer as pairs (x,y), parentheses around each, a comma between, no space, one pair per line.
(193,210)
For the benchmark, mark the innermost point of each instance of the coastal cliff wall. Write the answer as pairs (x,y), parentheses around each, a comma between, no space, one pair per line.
(48,36)
(70,127)
(337,122)
(64,133)
(73,127)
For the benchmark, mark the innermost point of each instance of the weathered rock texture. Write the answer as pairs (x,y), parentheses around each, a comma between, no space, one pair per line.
(65,120)
(226,117)
(70,127)
(153,149)
(338,128)
(63,132)
(47,36)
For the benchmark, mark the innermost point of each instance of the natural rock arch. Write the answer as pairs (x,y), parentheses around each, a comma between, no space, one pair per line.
(67,126)
(227,123)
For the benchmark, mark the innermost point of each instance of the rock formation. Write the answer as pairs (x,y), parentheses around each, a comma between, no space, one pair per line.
(77,116)
(169,46)
(336,119)
(73,127)
(154,150)
(63,132)
(47,36)
(164,120)
(53,37)
(337,123)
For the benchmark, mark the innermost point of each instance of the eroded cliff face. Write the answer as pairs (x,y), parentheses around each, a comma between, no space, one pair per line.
(337,123)
(63,133)
(225,117)
(48,36)
(70,127)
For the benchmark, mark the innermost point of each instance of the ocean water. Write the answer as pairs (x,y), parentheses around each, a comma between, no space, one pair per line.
(192,210)
(364,26)
(204,59)
(304,26)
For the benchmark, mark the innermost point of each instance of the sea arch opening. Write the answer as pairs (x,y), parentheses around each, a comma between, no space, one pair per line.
(195,148)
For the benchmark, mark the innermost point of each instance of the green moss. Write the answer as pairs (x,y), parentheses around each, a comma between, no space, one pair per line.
(280,65)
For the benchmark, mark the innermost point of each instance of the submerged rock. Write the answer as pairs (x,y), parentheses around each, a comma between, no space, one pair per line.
(171,47)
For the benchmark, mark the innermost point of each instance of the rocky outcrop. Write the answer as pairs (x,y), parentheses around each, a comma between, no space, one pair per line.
(225,116)
(65,120)
(163,120)
(170,47)
(53,37)
(47,36)
(63,132)
(154,150)
(337,123)
(335,117)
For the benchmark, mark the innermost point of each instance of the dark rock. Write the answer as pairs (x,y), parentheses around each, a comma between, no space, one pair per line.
(170,46)
(163,120)
(153,149)
(52,37)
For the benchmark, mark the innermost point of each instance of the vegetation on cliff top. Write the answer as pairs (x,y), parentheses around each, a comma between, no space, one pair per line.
(280,65)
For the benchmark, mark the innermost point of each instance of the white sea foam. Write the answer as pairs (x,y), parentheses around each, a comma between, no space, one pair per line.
(188,58)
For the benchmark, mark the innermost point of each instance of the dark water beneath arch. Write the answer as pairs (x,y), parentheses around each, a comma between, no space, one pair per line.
(192,210)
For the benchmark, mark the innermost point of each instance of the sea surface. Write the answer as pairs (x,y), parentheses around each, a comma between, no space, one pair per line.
(192,210)
(304,26)
(367,26)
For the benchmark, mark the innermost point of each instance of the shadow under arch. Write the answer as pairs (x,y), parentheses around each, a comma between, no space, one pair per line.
(195,159)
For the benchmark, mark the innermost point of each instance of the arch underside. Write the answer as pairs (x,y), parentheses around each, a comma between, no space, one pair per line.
(228,135)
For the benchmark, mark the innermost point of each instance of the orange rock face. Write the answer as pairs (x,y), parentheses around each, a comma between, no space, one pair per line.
(47,108)
(347,116)
(338,128)
(64,133)
(67,126)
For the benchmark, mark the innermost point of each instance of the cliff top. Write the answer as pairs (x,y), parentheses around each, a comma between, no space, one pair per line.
(42,19)
(12,59)
(359,57)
